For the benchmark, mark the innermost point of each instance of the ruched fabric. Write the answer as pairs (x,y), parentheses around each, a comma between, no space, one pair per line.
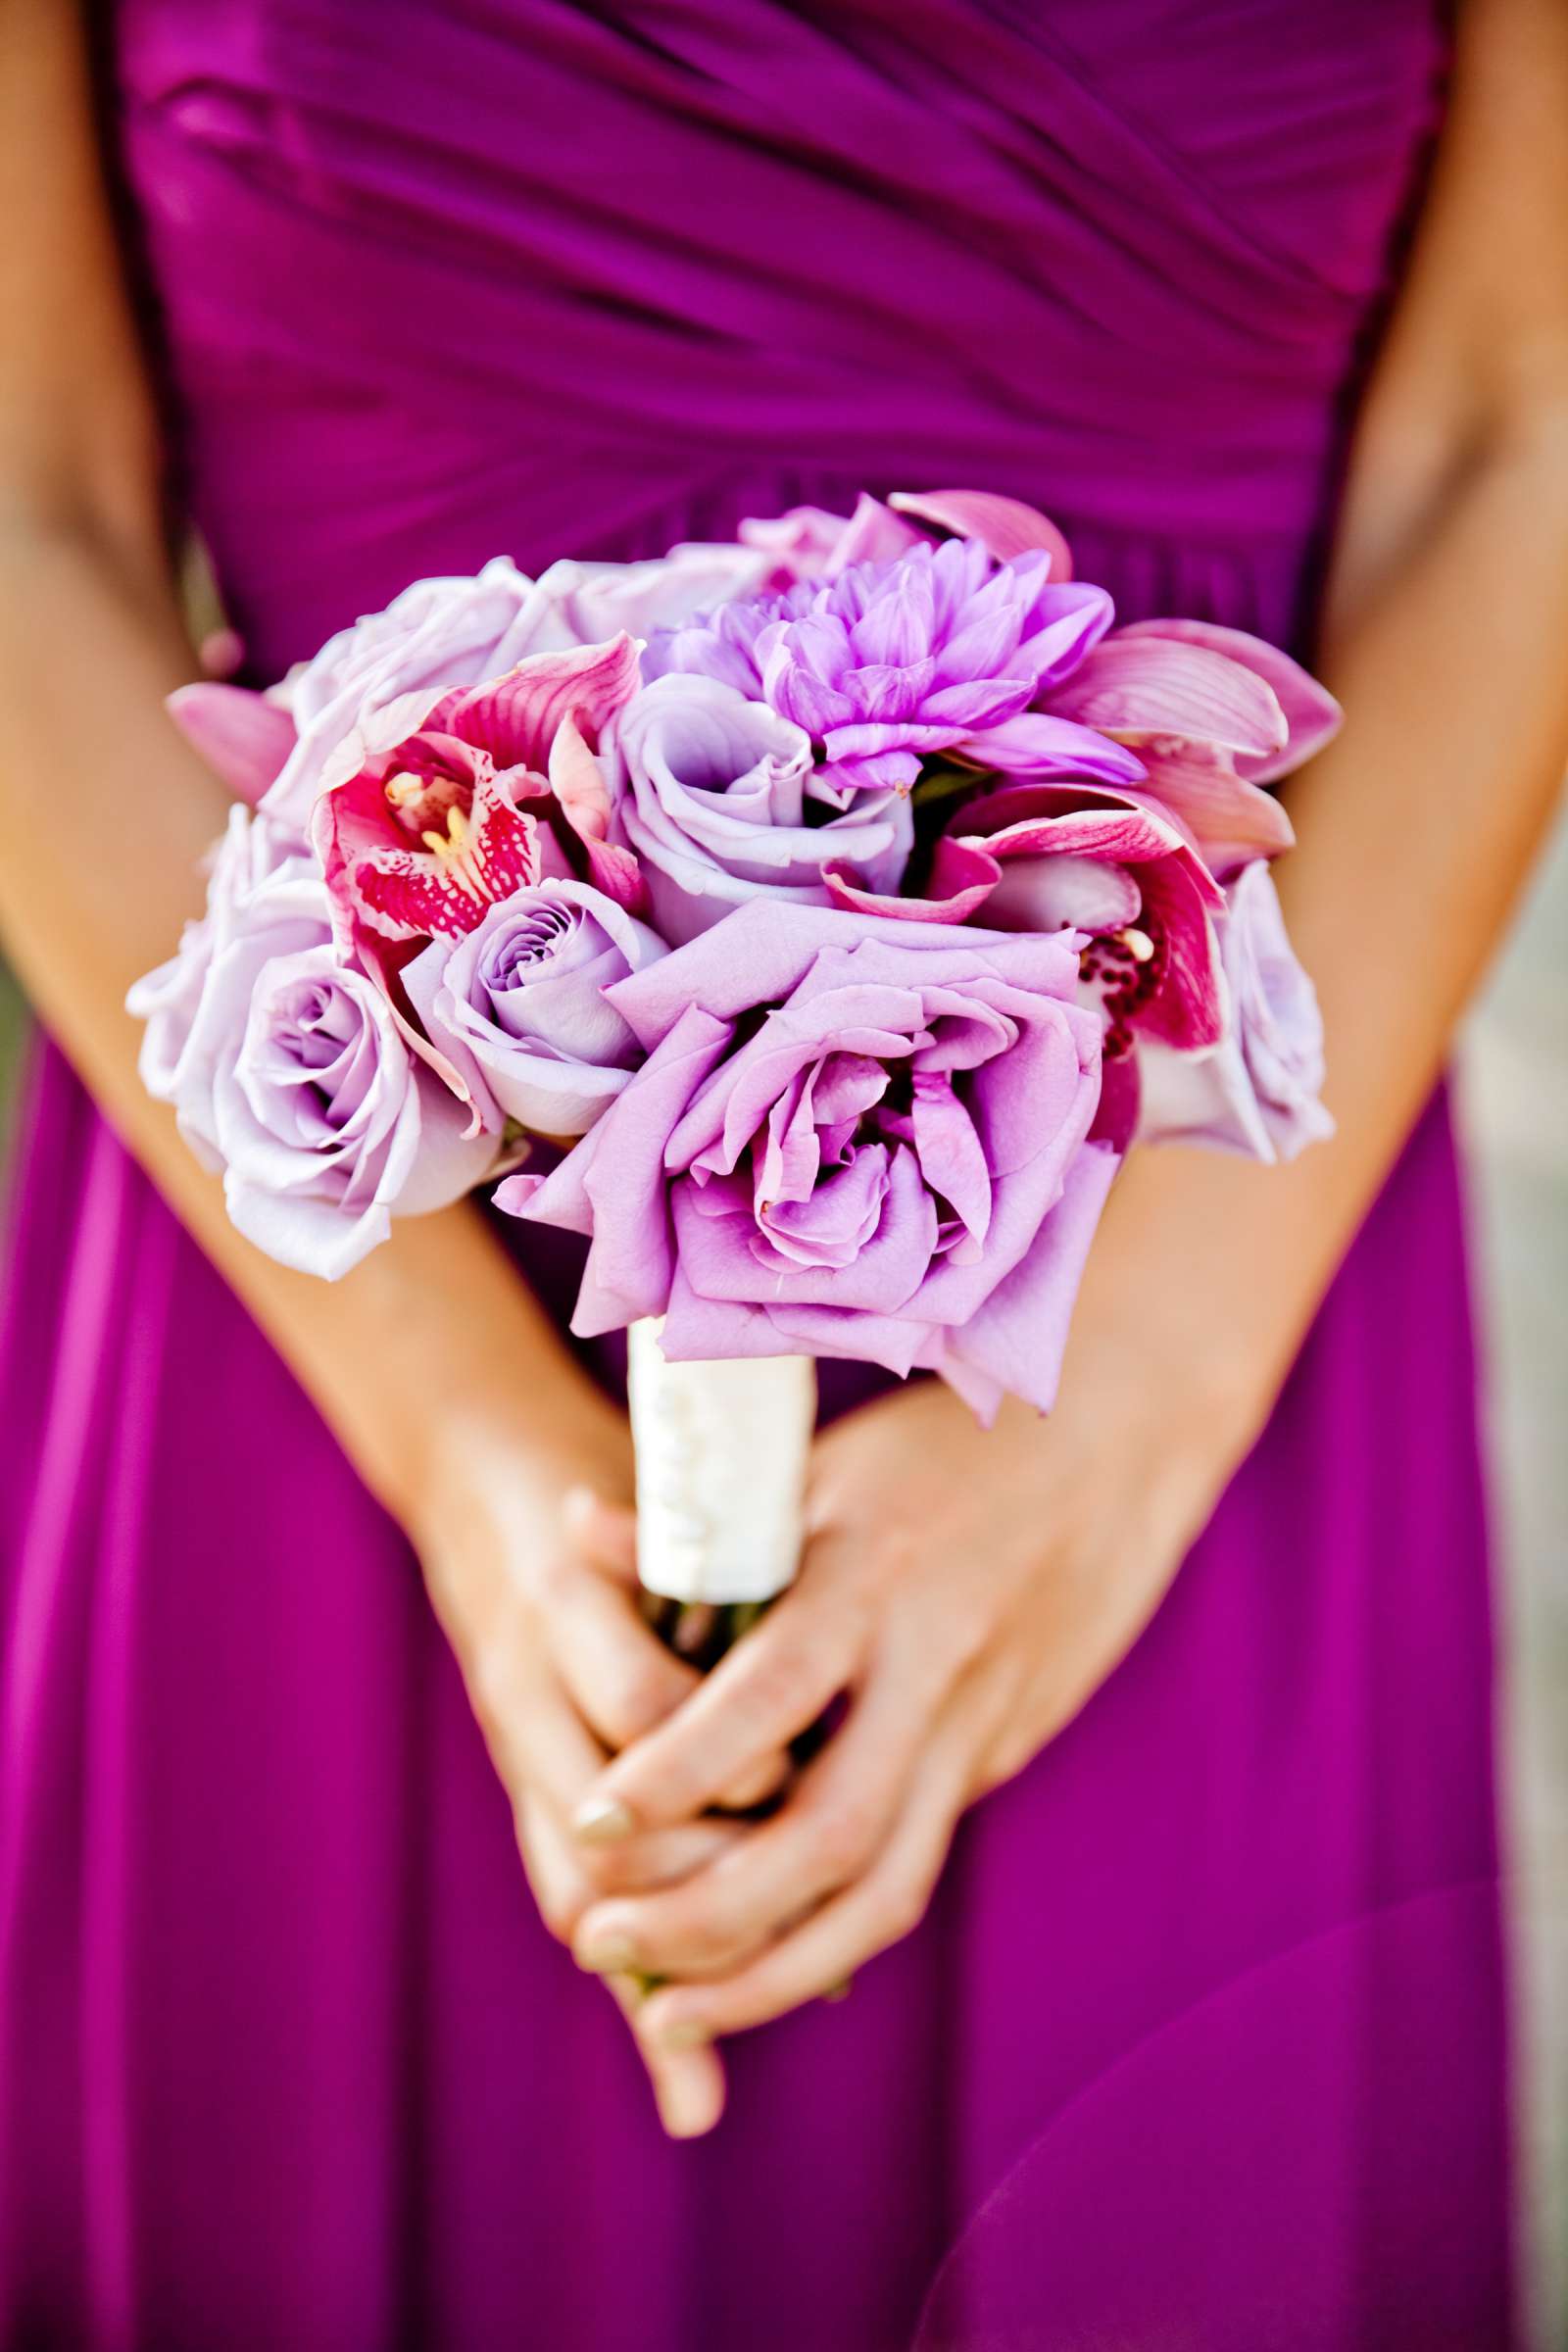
(1202,2040)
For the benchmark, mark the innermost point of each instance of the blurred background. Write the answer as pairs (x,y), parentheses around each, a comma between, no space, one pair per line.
(1513,1076)
(1513,1080)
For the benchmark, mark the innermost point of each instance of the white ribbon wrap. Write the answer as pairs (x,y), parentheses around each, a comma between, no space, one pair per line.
(721,1452)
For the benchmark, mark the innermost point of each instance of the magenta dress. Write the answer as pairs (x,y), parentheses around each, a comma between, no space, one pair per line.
(1201,2043)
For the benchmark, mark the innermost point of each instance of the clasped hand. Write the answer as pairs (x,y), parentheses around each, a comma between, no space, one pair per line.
(962,1593)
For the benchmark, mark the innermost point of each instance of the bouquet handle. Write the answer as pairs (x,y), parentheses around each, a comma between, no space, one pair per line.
(721,1451)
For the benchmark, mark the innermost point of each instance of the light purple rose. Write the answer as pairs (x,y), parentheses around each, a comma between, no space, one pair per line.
(289,1075)
(263,886)
(324,1123)
(852,1137)
(444,634)
(438,633)
(582,604)
(714,795)
(519,1006)
(1257,1091)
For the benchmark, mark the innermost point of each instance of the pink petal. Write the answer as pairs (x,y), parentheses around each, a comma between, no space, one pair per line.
(243,738)
(1049,892)
(379,877)
(872,535)
(802,542)
(1134,686)
(961,879)
(1230,820)
(1115,1119)
(1311,713)
(578,783)
(516,718)
(615,871)
(1186,1009)
(1004,525)
(1054,820)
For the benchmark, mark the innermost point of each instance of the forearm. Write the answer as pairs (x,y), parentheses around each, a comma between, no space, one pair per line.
(106,815)
(1415,832)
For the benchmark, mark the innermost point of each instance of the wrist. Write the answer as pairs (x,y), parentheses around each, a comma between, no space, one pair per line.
(482,1453)
(1160,1414)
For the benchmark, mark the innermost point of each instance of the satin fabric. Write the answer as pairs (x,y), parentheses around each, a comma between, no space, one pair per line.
(1203,2040)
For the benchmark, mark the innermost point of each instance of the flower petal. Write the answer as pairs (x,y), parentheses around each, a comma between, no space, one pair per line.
(1038,742)
(1005,525)
(1053,820)
(1134,685)
(1230,820)
(243,737)
(961,879)
(515,717)
(1311,713)
(1018,1338)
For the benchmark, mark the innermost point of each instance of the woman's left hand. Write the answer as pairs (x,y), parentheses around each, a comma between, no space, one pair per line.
(968,1589)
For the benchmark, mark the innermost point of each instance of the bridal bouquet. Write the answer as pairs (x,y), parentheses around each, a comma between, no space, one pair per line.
(808,923)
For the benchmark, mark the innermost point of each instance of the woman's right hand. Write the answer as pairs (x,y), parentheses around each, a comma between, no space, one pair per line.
(530,1577)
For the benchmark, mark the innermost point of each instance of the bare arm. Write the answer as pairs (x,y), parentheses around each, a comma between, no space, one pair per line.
(443,1380)
(105,813)
(1446,640)
(974,1588)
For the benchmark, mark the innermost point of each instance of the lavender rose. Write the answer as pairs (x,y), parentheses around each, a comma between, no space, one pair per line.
(288,1073)
(519,1006)
(324,1122)
(264,889)
(438,633)
(852,1137)
(713,792)
(1257,1091)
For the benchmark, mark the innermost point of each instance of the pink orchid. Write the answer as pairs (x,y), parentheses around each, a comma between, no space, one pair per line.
(443,805)
(1214,714)
(1309,712)
(1067,856)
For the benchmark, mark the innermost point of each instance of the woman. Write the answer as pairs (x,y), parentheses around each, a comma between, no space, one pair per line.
(1190,2030)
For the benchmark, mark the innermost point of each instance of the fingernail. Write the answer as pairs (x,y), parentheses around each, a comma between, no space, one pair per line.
(614,1954)
(602,1821)
(682,2033)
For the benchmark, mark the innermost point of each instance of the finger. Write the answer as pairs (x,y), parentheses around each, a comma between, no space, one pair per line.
(771,1687)
(688,2084)
(538,1742)
(542,1750)
(821,1954)
(603,1532)
(623,1678)
(827,1835)
(561,1886)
